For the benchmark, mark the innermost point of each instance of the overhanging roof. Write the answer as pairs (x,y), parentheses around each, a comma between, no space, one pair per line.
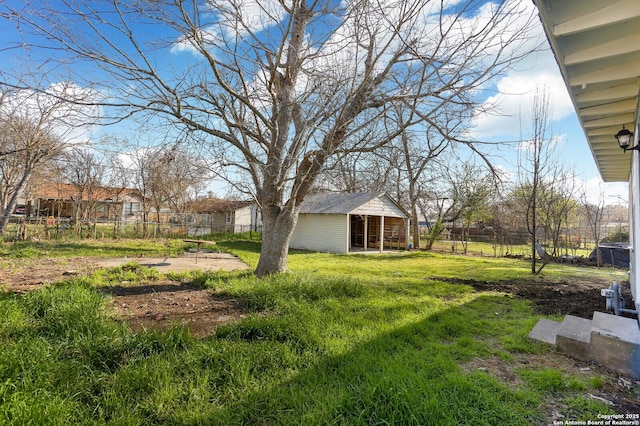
(597,46)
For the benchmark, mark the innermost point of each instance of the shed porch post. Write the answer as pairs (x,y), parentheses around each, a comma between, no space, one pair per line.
(407,233)
(348,233)
(366,232)
(381,234)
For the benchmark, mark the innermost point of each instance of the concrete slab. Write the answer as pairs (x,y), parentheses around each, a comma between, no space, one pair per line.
(545,331)
(574,337)
(207,261)
(615,343)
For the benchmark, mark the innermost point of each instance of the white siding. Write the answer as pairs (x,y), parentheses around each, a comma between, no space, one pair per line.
(243,219)
(634,229)
(326,233)
(380,206)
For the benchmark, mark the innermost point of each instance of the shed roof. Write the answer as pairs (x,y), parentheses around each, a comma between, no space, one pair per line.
(350,203)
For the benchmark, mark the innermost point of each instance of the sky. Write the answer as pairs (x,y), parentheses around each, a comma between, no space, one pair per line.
(512,93)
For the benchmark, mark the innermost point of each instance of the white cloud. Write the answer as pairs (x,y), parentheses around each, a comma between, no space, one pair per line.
(596,190)
(231,20)
(187,44)
(510,110)
(65,109)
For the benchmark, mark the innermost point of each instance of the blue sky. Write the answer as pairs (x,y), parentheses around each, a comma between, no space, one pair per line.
(513,94)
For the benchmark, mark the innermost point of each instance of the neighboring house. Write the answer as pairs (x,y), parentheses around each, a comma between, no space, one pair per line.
(343,223)
(104,203)
(217,215)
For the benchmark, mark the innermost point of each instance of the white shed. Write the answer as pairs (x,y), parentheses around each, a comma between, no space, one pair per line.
(343,223)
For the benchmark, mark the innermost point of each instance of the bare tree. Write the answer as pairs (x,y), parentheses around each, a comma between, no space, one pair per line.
(594,214)
(282,87)
(33,127)
(172,177)
(535,169)
(86,171)
(557,205)
(473,191)
(165,176)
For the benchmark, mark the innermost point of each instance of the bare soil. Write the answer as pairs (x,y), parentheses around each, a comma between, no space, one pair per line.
(161,304)
(157,304)
(578,297)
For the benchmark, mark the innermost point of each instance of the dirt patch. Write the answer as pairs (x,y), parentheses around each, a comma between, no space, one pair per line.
(580,297)
(149,305)
(20,275)
(161,305)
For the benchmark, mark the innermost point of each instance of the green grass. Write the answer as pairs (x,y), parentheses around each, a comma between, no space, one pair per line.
(488,249)
(94,248)
(341,339)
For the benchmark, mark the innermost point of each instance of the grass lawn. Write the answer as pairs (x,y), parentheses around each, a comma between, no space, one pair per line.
(488,249)
(341,339)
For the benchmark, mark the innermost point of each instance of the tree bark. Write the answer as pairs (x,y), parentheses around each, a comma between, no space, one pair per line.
(278,226)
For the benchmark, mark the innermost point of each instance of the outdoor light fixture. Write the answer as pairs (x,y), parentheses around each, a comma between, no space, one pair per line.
(625,137)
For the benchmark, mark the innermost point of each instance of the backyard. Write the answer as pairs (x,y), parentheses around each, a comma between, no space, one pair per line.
(398,338)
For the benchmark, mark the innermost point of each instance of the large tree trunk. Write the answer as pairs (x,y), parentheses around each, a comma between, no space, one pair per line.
(278,226)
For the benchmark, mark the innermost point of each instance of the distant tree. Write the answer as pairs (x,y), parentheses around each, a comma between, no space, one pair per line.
(33,130)
(534,162)
(418,151)
(86,172)
(557,206)
(172,177)
(594,214)
(474,190)
(165,176)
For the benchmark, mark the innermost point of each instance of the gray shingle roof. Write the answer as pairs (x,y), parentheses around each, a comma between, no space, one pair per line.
(342,203)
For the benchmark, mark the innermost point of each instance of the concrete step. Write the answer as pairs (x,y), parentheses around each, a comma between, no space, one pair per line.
(610,340)
(571,336)
(574,336)
(615,343)
(545,331)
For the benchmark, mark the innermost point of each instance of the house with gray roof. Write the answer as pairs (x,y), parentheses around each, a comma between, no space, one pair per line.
(218,215)
(351,222)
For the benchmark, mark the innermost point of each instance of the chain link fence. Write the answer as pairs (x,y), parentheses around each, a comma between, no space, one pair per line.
(60,228)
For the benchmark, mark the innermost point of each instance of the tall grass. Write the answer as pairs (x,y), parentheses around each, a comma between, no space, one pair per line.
(338,340)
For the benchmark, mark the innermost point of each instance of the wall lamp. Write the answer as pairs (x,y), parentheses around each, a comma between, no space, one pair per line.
(625,137)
